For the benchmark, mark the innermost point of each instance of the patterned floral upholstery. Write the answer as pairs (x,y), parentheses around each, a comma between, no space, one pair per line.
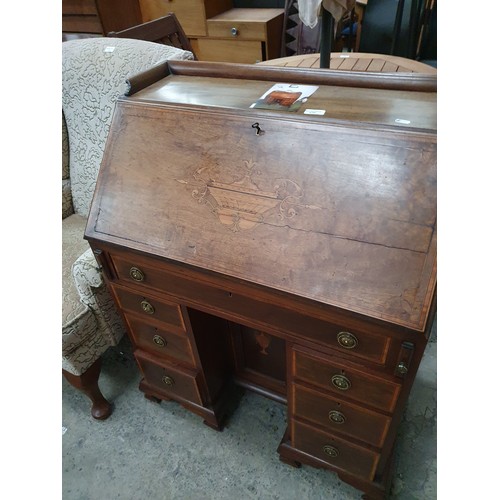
(94,75)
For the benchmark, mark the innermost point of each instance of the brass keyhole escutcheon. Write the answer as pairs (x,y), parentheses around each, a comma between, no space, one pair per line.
(347,340)
(341,382)
(402,368)
(336,417)
(168,380)
(136,274)
(159,341)
(147,307)
(331,450)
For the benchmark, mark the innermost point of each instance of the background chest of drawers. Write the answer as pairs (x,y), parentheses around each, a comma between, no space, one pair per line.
(216,30)
(219,32)
(289,254)
(99,17)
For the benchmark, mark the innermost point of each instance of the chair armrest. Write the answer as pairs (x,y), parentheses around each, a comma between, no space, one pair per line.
(93,292)
(87,275)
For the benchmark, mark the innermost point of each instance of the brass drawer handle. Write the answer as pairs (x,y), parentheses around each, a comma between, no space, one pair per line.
(341,382)
(331,450)
(136,274)
(168,380)
(147,307)
(347,340)
(159,341)
(336,417)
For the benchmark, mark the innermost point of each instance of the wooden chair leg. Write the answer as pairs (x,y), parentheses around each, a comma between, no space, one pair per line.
(88,384)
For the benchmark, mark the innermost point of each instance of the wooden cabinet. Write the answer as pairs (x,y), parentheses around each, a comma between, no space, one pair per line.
(99,16)
(220,33)
(242,35)
(292,253)
(192,14)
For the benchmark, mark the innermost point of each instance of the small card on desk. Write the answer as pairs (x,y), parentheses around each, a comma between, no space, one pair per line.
(285,97)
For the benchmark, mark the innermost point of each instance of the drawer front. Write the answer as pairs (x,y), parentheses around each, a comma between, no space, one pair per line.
(85,7)
(335,451)
(175,382)
(81,24)
(237,30)
(160,341)
(148,307)
(336,415)
(236,51)
(190,13)
(347,339)
(345,381)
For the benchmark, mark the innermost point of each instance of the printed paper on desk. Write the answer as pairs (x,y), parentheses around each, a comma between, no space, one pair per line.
(285,97)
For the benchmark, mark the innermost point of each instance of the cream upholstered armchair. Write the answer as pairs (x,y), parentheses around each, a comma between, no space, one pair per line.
(94,75)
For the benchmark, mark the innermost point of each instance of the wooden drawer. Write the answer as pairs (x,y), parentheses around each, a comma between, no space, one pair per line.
(336,415)
(334,450)
(175,382)
(246,24)
(81,24)
(331,334)
(236,30)
(160,341)
(190,13)
(84,7)
(237,51)
(345,381)
(148,307)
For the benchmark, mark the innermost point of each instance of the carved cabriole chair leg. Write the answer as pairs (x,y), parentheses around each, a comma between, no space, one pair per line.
(88,384)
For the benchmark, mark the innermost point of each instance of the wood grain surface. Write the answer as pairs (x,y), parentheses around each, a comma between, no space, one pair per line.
(336,213)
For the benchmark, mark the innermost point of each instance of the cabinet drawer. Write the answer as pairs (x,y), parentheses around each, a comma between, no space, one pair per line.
(345,381)
(84,7)
(237,51)
(349,339)
(335,451)
(160,341)
(338,416)
(249,24)
(190,13)
(175,382)
(81,24)
(237,30)
(149,307)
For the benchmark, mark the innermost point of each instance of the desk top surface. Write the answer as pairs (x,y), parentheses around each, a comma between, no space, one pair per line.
(336,211)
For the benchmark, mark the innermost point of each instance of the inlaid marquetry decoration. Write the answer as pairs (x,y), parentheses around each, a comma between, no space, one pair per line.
(242,204)
(263,341)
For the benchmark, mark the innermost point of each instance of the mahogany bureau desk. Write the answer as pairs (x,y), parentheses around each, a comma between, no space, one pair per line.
(292,253)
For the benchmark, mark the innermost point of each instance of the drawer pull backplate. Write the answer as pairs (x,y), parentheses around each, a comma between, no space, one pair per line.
(136,274)
(168,380)
(341,382)
(336,417)
(147,307)
(330,450)
(159,341)
(347,340)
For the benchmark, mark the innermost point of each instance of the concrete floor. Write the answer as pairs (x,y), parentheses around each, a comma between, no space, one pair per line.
(161,451)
